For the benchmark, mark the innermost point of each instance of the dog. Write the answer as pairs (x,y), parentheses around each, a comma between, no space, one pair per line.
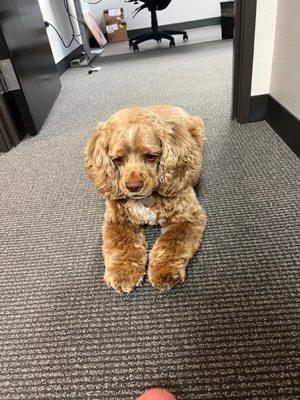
(145,162)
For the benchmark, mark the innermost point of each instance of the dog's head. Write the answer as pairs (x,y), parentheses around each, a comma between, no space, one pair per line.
(136,152)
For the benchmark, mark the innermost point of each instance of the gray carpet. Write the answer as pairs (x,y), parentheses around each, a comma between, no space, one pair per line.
(230,332)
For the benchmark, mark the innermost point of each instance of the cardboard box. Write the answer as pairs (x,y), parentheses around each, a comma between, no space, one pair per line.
(115,25)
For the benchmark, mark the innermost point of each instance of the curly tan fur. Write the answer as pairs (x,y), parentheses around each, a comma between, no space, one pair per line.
(140,152)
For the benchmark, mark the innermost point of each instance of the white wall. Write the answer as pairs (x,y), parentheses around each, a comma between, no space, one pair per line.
(177,11)
(285,79)
(54,12)
(263,46)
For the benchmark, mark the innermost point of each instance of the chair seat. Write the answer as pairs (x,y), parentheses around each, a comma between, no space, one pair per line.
(152,4)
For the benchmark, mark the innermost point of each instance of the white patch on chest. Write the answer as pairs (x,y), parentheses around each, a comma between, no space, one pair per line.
(146,214)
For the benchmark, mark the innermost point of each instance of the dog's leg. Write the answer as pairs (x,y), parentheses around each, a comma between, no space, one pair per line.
(176,245)
(125,255)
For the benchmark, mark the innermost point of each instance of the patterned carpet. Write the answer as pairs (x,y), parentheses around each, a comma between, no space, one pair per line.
(230,332)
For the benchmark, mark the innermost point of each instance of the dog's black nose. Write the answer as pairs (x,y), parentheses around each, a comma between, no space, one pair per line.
(134,186)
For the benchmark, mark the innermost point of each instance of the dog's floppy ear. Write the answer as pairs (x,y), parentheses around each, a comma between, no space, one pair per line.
(181,156)
(98,166)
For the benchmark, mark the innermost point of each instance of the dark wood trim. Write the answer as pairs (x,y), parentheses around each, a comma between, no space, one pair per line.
(64,63)
(258,107)
(285,124)
(244,32)
(179,26)
(8,132)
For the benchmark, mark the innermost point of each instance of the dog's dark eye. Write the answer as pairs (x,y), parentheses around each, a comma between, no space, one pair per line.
(151,157)
(118,161)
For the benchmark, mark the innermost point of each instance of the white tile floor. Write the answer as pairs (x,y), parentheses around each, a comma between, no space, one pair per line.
(198,35)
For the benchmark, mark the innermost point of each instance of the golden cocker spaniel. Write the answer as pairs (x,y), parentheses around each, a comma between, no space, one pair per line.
(145,162)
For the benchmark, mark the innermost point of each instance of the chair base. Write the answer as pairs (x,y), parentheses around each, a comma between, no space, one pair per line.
(158,36)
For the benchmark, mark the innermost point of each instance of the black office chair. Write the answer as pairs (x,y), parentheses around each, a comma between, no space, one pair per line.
(156,34)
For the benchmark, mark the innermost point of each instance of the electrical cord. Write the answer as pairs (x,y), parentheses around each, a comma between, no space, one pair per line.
(90,2)
(59,35)
(67,8)
(80,21)
(66,4)
(74,36)
(76,19)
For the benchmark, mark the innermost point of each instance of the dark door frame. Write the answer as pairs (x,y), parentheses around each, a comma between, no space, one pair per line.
(243,46)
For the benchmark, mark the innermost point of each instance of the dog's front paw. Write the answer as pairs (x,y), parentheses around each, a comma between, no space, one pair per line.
(124,278)
(165,276)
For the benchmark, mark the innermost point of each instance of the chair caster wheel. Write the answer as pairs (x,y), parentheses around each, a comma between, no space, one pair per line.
(172,44)
(136,48)
(185,37)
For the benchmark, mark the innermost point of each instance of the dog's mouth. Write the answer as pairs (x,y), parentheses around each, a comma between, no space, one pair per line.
(141,196)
